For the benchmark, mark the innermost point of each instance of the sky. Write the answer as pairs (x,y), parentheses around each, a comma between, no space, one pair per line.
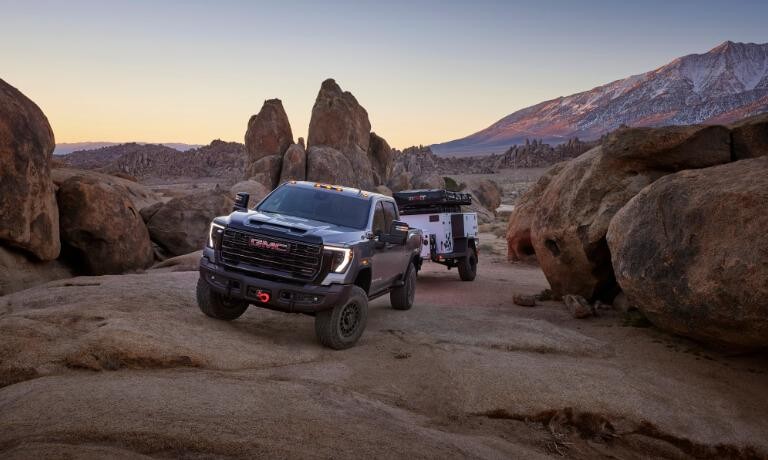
(426,71)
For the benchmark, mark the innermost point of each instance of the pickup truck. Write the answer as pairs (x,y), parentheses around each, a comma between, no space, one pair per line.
(311,248)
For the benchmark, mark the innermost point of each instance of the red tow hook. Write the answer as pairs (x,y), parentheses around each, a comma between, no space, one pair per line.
(263,296)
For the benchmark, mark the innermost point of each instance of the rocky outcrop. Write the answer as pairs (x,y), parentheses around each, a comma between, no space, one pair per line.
(267,171)
(576,206)
(255,190)
(326,164)
(340,123)
(102,231)
(180,226)
(690,252)
(382,158)
(29,217)
(18,271)
(269,133)
(519,245)
(750,137)
(294,164)
(427,182)
(140,196)
(486,192)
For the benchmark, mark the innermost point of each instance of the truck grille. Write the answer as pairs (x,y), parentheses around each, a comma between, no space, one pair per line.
(295,259)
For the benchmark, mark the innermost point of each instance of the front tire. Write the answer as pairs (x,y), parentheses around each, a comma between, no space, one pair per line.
(401,298)
(216,305)
(342,326)
(468,266)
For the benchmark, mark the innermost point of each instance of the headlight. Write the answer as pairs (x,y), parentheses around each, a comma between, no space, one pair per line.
(213,233)
(341,257)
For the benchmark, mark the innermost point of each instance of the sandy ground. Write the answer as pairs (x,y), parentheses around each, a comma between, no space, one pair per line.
(127,367)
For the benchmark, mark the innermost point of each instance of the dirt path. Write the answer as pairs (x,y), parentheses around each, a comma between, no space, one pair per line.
(127,367)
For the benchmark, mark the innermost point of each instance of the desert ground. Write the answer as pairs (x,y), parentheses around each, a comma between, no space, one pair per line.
(127,366)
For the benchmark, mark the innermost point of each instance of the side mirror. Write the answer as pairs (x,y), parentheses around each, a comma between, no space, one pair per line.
(241,202)
(398,232)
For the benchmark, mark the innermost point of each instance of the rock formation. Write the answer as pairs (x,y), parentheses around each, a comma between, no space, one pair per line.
(140,196)
(18,272)
(572,216)
(690,252)
(255,190)
(750,137)
(519,245)
(269,133)
(339,124)
(29,217)
(180,225)
(101,229)
(294,163)
(267,170)
(382,158)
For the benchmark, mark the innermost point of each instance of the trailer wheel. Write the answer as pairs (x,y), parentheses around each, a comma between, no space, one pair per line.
(468,266)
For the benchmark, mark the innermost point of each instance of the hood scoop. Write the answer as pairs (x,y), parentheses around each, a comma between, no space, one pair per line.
(276,226)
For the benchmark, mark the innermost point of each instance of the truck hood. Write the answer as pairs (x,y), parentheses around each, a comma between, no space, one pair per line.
(295,228)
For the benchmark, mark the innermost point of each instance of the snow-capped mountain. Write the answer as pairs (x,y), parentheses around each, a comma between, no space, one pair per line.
(727,83)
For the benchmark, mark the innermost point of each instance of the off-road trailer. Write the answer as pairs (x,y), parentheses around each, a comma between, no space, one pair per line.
(449,235)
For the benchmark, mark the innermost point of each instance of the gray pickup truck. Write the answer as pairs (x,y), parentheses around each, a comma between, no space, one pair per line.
(310,248)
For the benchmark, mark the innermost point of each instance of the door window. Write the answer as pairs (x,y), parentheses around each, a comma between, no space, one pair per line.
(379,220)
(390,214)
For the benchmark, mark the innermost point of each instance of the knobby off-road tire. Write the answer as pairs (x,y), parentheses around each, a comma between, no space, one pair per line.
(468,266)
(216,305)
(401,298)
(342,326)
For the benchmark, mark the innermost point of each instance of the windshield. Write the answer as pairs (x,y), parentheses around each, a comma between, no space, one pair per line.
(334,207)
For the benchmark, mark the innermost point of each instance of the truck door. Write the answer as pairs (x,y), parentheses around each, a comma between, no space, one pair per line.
(387,257)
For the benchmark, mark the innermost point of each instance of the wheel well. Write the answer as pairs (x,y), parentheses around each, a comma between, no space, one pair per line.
(363,279)
(417,262)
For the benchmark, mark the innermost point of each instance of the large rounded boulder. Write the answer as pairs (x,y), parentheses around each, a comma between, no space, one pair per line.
(141,196)
(181,225)
(268,133)
(19,272)
(573,213)
(328,165)
(750,137)
(294,164)
(690,251)
(519,245)
(101,229)
(29,217)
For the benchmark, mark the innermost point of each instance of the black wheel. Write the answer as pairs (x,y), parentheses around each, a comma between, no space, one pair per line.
(468,266)
(342,326)
(216,305)
(401,298)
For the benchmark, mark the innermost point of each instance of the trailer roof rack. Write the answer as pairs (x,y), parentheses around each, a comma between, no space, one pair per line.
(431,201)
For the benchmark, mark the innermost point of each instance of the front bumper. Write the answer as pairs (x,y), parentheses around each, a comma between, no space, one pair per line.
(286,297)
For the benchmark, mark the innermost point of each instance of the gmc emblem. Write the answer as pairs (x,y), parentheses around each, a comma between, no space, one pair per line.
(269,245)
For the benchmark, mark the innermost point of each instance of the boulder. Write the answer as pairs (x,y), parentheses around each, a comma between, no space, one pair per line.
(382,158)
(294,164)
(690,252)
(29,217)
(141,196)
(750,137)
(267,171)
(341,123)
(383,189)
(102,231)
(519,245)
(524,300)
(18,271)
(328,165)
(578,306)
(269,133)
(486,192)
(432,181)
(181,225)
(573,212)
(401,181)
(256,191)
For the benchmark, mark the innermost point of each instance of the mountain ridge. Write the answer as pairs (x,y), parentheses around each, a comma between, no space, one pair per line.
(726,83)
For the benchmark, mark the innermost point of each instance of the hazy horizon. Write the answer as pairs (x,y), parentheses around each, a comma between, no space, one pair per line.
(191,72)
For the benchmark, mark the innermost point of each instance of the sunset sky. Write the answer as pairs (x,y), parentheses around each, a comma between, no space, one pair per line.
(427,72)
